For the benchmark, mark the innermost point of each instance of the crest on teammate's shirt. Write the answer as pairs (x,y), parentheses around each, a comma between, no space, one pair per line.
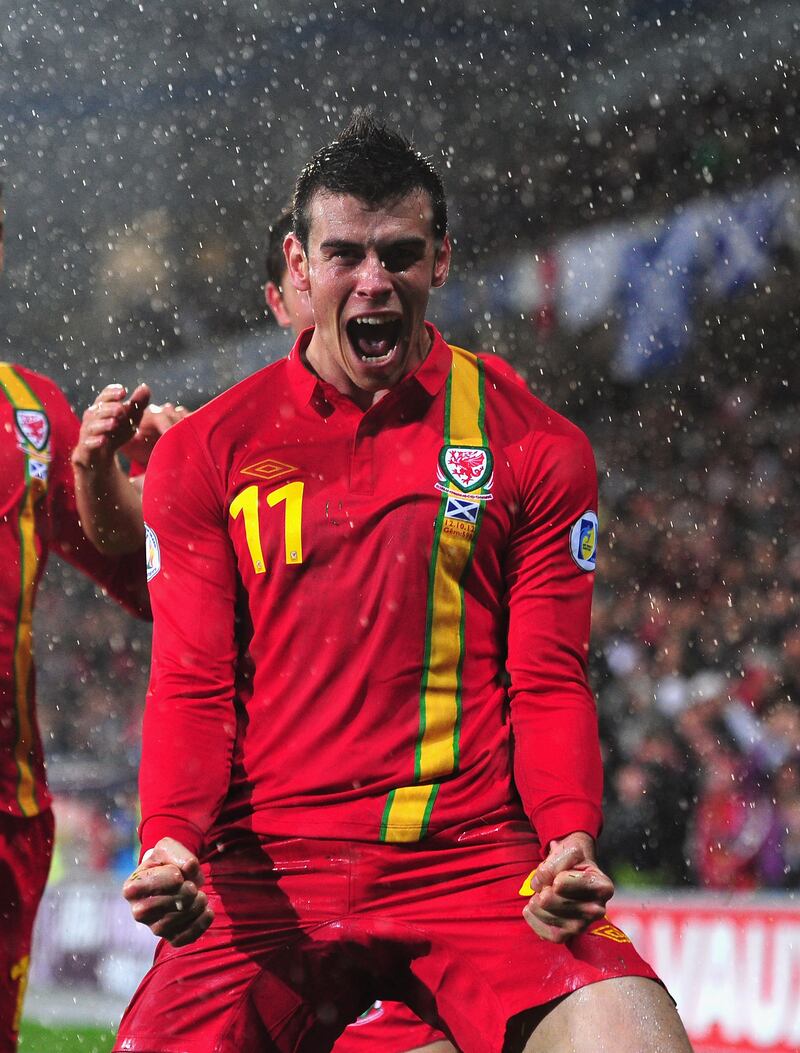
(583,541)
(468,468)
(152,552)
(33,428)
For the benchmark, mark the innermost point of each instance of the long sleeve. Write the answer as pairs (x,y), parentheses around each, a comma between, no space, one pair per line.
(190,721)
(549,571)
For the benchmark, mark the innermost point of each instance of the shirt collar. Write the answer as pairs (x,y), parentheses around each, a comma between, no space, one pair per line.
(303,381)
(430,375)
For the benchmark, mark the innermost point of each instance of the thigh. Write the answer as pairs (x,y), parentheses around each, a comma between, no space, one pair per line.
(26,847)
(625,1015)
(484,964)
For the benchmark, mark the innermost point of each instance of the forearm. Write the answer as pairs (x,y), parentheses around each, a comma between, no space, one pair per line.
(187,743)
(109,506)
(557,764)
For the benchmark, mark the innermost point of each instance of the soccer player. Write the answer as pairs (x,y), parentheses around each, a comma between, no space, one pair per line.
(38,431)
(348,550)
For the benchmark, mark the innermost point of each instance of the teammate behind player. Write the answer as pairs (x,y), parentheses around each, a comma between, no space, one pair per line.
(352,544)
(38,431)
(290,308)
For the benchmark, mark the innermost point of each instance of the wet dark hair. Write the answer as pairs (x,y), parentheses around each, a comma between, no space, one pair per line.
(275,259)
(373,163)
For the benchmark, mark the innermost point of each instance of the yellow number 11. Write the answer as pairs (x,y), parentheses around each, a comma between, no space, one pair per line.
(246,502)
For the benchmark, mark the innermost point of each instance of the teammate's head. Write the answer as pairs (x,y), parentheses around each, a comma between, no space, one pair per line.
(275,260)
(290,308)
(373,163)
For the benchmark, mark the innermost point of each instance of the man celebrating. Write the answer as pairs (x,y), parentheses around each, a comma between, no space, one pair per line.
(347,551)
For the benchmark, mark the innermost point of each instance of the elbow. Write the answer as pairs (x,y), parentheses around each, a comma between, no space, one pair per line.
(116,542)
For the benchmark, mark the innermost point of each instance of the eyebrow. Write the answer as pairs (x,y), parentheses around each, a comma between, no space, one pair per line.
(401,243)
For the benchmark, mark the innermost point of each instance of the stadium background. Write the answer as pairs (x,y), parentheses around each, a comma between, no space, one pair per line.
(623,184)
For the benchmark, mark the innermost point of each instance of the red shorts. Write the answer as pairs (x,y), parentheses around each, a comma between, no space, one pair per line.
(387,1027)
(26,846)
(308,933)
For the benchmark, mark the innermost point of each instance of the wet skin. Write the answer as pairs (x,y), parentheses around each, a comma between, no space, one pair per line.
(368,272)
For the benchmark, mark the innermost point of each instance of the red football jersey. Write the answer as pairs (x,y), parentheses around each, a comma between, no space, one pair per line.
(337,596)
(38,431)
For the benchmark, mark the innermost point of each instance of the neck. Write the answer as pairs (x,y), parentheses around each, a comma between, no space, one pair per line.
(362,397)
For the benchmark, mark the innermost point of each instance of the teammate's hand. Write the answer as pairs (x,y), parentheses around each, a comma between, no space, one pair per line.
(155,421)
(164,894)
(570,891)
(108,424)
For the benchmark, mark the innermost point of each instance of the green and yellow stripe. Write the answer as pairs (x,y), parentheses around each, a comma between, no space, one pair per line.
(408,808)
(22,398)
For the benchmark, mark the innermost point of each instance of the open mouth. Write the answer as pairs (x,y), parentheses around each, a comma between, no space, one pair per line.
(374,338)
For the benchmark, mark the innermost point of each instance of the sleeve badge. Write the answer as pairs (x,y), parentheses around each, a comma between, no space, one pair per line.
(583,541)
(152,552)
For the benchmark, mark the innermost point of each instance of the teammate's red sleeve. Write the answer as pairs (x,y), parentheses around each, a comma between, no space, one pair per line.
(190,721)
(122,577)
(557,764)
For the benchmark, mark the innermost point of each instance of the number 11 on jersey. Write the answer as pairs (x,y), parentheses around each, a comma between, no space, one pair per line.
(246,504)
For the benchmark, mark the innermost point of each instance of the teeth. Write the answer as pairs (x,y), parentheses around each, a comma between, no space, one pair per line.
(373,320)
(376,358)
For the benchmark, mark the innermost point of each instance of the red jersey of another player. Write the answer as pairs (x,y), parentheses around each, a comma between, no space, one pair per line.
(337,594)
(37,513)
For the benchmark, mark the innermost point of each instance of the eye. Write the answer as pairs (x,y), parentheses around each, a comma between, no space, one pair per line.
(401,258)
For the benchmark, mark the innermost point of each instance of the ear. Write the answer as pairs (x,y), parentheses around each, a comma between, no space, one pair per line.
(296,262)
(272,295)
(441,264)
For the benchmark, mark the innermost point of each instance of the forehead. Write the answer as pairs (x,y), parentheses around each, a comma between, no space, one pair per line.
(344,217)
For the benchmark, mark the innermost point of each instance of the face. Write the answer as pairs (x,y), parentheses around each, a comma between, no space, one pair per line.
(368,272)
(291,308)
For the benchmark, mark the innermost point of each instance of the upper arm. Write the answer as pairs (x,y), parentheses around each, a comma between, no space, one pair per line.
(191,567)
(550,562)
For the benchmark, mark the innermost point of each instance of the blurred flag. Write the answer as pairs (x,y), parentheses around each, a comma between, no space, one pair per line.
(712,249)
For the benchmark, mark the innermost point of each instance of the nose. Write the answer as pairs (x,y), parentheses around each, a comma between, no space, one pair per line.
(374,280)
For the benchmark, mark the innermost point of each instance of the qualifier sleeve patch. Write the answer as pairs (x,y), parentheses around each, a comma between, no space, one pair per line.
(583,541)
(152,551)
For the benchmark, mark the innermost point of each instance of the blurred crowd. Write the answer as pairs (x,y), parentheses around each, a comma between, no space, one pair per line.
(695,658)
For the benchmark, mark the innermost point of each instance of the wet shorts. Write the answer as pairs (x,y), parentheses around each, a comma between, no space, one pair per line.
(26,846)
(309,933)
(387,1027)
